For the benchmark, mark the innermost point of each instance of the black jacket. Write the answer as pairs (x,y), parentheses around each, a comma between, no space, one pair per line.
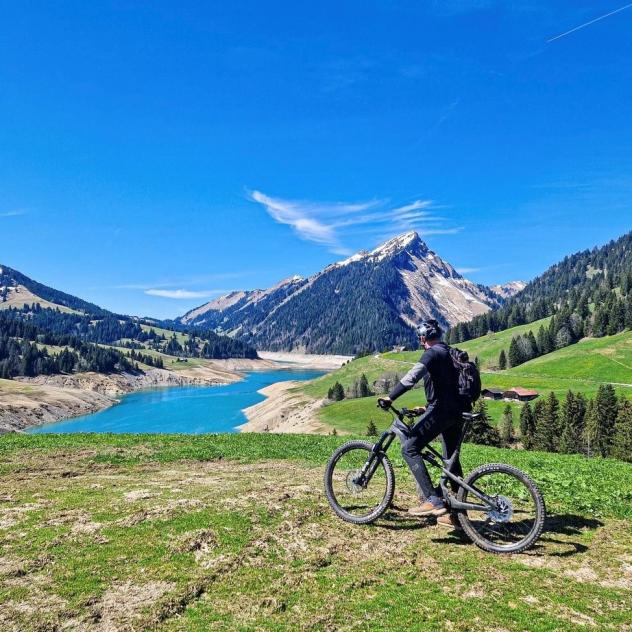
(441,380)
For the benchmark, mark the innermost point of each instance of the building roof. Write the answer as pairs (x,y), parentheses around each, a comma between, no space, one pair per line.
(523,392)
(492,390)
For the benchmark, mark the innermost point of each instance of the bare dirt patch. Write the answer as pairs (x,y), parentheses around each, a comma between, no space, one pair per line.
(124,603)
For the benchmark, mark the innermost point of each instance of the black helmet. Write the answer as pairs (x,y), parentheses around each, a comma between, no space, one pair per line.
(429,329)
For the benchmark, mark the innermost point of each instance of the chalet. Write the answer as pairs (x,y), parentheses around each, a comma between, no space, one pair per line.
(520,394)
(400,348)
(492,393)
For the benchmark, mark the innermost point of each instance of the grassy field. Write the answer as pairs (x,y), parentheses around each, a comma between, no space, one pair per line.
(24,297)
(167,333)
(606,359)
(232,532)
(486,348)
(580,367)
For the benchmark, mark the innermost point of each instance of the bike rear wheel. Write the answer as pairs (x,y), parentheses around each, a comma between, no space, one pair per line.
(353,502)
(519,519)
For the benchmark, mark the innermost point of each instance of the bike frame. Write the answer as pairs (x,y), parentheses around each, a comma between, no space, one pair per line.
(430,456)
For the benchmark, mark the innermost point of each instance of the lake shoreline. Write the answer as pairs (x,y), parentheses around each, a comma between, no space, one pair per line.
(284,410)
(29,402)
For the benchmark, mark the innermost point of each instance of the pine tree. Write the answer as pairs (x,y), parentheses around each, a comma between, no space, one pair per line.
(573,419)
(628,311)
(506,426)
(527,426)
(336,393)
(364,390)
(547,425)
(587,438)
(533,345)
(371,429)
(543,341)
(601,422)
(480,430)
(626,283)
(515,354)
(600,322)
(622,442)
(502,360)
(583,309)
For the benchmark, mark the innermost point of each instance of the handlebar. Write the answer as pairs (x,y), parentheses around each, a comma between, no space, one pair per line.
(404,412)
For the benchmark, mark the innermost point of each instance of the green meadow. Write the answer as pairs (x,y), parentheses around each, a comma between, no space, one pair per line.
(580,367)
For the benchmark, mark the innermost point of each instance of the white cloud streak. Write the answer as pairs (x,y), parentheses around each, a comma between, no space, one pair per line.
(12,213)
(183,294)
(585,24)
(328,224)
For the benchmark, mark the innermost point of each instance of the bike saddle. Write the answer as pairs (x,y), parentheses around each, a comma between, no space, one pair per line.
(470,416)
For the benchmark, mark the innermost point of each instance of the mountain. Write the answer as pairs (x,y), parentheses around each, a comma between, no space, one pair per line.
(44,331)
(369,301)
(507,290)
(590,293)
(17,290)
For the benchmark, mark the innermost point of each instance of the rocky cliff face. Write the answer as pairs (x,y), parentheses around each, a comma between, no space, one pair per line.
(507,290)
(366,302)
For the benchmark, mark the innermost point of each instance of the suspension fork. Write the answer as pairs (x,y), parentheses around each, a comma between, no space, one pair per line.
(379,449)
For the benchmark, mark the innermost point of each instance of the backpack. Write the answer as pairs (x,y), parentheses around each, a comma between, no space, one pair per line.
(469,377)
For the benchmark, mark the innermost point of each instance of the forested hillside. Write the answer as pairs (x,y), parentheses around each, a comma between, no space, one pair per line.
(590,292)
(60,333)
(11,279)
(24,351)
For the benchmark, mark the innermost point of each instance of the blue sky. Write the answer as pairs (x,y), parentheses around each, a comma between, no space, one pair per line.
(154,154)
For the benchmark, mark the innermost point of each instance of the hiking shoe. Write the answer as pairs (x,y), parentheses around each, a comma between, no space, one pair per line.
(450,521)
(428,509)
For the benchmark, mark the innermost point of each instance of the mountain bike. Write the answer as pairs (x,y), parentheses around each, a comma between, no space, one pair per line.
(499,507)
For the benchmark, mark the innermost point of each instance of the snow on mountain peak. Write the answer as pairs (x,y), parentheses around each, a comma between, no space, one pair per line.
(387,249)
(396,244)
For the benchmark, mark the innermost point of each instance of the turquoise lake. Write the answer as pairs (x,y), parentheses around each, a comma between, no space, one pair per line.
(188,409)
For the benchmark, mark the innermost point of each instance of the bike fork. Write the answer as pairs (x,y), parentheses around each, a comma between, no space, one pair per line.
(372,463)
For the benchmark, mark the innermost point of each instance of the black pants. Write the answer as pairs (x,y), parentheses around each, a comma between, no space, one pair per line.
(430,426)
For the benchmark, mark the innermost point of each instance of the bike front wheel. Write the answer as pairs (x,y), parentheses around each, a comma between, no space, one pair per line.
(351,497)
(518,520)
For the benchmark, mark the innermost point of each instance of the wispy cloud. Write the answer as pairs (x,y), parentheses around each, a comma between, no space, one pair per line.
(329,224)
(467,270)
(585,24)
(15,213)
(183,294)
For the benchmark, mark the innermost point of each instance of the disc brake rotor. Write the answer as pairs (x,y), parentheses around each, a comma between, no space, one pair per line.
(352,486)
(504,512)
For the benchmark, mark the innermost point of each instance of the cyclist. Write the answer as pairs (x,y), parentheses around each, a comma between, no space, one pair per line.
(441,416)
